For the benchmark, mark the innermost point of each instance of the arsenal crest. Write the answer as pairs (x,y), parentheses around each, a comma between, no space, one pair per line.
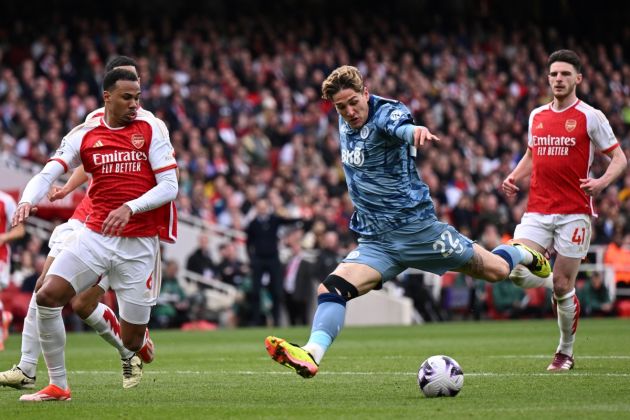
(570,125)
(137,140)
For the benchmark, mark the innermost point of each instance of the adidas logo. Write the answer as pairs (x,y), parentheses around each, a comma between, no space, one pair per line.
(98,144)
(539,126)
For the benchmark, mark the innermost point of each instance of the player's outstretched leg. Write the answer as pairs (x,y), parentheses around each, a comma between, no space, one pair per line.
(291,356)
(538,264)
(522,277)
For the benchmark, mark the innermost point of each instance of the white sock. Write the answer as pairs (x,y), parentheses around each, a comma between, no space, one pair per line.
(105,323)
(31,349)
(524,278)
(52,336)
(568,307)
(316,351)
(527,257)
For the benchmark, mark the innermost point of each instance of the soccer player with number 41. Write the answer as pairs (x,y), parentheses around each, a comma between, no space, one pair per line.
(561,142)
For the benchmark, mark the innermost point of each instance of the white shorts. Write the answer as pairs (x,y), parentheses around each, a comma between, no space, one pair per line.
(570,234)
(129,263)
(62,235)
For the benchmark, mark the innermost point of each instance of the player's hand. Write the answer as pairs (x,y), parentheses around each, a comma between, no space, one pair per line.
(22,212)
(421,135)
(509,187)
(56,193)
(591,186)
(116,221)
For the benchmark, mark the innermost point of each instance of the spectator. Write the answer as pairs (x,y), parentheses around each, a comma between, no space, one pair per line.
(200,261)
(262,247)
(595,297)
(299,282)
(618,256)
(172,307)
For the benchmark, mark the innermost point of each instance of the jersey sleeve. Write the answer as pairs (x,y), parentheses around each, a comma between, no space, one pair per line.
(161,152)
(9,206)
(530,140)
(69,152)
(390,116)
(600,131)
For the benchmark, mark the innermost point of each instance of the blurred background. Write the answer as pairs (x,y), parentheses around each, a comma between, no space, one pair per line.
(238,85)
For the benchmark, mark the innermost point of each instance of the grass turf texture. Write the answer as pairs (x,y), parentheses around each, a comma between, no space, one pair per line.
(368,373)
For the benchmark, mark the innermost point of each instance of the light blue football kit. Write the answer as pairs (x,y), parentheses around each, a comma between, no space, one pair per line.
(394,211)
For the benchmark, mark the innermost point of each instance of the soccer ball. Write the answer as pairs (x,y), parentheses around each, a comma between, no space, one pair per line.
(440,376)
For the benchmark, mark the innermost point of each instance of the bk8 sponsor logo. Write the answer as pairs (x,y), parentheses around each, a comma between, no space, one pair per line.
(352,157)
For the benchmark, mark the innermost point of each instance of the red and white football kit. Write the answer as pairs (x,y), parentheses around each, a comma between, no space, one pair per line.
(127,164)
(7,208)
(562,144)
(167,214)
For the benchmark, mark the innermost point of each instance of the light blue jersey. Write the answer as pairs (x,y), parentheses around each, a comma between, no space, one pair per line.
(381,174)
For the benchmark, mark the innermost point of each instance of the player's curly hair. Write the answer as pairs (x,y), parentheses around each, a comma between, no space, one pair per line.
(566,56)
(344,77)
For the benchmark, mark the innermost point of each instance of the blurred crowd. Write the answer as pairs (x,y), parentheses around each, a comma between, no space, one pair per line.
(242,102)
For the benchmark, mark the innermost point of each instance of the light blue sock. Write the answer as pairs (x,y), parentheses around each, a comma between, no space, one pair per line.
(327,323)
(511,254)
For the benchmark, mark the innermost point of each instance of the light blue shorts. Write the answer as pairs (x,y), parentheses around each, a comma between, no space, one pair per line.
(427,245)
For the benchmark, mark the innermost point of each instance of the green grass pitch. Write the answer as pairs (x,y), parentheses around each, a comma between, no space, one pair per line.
(368,373)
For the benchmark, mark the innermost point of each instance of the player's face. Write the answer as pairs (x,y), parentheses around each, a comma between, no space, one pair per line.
(122,102)
(352,106)
(563,78)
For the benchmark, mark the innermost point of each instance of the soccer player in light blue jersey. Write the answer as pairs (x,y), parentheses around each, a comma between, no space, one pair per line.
(394,216)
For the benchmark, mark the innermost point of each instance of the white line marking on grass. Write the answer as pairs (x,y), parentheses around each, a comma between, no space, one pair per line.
(251,372)
(546,356)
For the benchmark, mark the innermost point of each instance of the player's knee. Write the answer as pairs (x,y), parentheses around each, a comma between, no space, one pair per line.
(339,286)
(45,298)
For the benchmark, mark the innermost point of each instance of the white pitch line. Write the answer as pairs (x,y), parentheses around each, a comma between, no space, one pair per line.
(546,356)
(251,372)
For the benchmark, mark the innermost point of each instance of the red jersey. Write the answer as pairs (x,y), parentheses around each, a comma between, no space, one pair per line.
(123,162)
(562,145)
(7,208)
(166,216)
(83,210)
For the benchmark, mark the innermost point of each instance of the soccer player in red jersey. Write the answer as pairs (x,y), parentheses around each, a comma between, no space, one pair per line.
(86,304)
(562,139)
(133,173)
(7,234)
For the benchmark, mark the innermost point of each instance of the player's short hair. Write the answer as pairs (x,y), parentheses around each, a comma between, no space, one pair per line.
(344,77)
(566,56)
(115,75)
(119,61)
